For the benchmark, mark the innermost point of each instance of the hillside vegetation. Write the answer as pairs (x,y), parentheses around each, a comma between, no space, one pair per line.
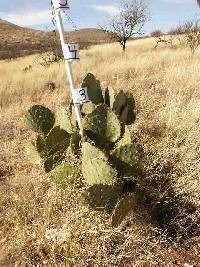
(17,41)
(42,224)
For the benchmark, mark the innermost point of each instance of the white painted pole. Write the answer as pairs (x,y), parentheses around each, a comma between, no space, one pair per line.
(68,65)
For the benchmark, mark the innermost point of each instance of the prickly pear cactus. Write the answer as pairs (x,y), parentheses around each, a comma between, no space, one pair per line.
(119,103)
(75,143)
(32,154)
(113,127)
(128,160)
(66,119)
(125,139)
(49,150)
(40,119)
(124,105)
(57,136)
(101,197)
(125,206)
(95,166)
(93,88)
(66,174)
(88,108)
(102,125)
(128,115)
(109,98)
(41,146)
(57,143)
(105,149)
(54,158)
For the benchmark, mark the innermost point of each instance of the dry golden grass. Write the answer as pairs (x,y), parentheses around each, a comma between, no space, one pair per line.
(43,225)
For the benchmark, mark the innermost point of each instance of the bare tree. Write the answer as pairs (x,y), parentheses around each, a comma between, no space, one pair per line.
(192,33)
(129,22)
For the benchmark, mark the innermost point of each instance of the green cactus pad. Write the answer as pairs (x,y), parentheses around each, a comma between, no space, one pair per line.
(95,166)
(113,129)
(54,159)
(128,160)
(57,136)
(65,174)
(120,103)
(57,143)
(102,125)
(32,154)
(110,97)
(88,108)
(128,115)
(40,119)
(123,106)
(125,206)
(126,138)
(41,146)
(131,154)
(101,197)
(75,142)
(93,89)
(131,100)
(66,119)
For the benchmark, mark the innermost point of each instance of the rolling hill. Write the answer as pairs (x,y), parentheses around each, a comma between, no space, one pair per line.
(17,41)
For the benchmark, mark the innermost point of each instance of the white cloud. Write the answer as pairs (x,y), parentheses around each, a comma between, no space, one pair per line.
(109,9)
(182,2)
(29,18)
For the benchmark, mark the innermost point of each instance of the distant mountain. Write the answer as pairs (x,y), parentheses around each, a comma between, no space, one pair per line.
(90,35)
(18,41)
(6,24)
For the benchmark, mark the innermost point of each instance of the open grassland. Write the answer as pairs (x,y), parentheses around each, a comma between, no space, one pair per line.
(44,225)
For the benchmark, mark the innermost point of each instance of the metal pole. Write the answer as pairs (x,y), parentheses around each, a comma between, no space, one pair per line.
(68,65)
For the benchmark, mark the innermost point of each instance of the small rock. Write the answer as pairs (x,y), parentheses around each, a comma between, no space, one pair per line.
(188,265)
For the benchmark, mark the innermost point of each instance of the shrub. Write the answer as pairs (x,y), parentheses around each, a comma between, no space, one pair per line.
(157,33)
(192,33)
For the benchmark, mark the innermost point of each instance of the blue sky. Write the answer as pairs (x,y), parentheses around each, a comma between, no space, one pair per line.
(90,13)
